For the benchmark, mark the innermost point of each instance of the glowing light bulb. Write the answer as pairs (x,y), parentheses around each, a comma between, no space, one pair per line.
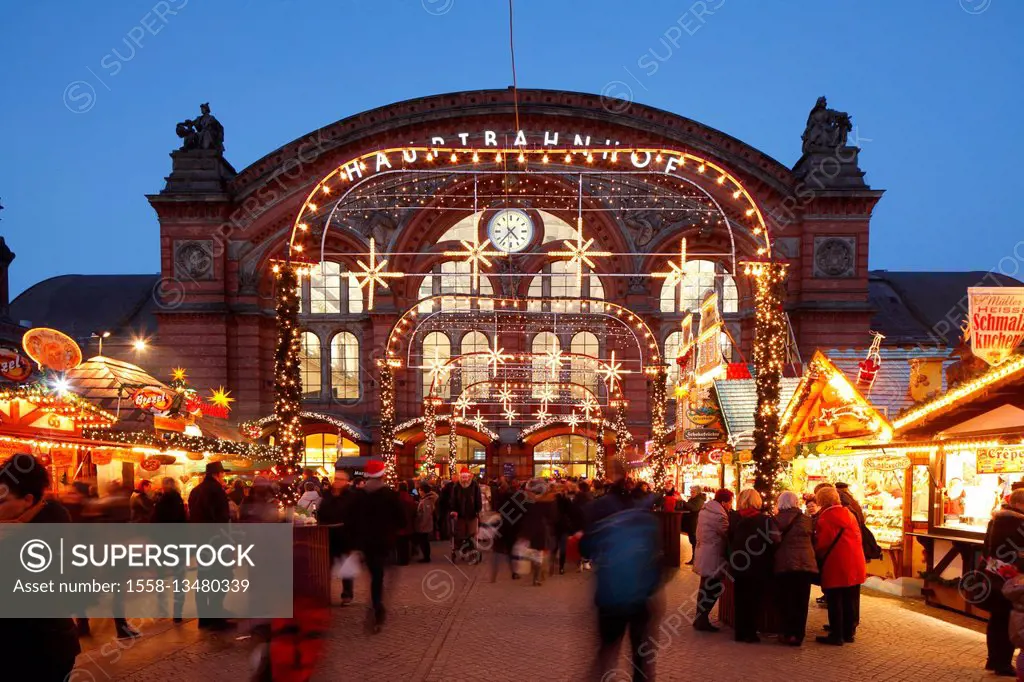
(522,157)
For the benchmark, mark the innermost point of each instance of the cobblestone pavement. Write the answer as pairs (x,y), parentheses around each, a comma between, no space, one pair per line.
(449,622)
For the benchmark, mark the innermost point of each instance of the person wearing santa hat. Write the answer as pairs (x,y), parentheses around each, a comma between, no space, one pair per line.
(466,504)
(378,516)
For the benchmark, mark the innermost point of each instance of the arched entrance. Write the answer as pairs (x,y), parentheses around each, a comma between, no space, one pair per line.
(566,455)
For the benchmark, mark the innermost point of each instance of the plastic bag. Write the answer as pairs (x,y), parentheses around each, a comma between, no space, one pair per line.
(347,567)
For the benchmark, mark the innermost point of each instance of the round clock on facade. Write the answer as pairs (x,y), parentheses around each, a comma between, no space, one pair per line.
(510,230)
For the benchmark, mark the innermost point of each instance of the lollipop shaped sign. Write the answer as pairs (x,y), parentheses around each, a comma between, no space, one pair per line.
(52,349)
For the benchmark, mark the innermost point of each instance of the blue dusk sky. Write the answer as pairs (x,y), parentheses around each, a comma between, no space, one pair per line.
(933,86)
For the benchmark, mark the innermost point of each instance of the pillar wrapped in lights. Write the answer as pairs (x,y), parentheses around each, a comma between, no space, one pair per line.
(430,406)
(453,444)
(623,438)
(657,398)
(288,379)
(601,451)
(387,419)
(771,337)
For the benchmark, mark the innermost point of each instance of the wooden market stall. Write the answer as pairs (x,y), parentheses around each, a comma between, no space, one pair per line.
(970,439)
(831,434)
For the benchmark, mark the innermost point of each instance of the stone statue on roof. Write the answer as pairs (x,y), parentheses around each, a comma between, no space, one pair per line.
(204,133)
(826,128)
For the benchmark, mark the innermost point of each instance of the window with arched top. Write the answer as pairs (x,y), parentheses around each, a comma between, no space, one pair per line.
(559,280)
(345,366)
(584,369)
(544,342)
(454,277)
(309,365)
(328,290)
(437,350)
(671,350)
(701,277)
(474,367)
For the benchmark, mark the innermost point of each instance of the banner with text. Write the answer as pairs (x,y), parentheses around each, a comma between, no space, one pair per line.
(153,570)
(996,316)
(1008,459)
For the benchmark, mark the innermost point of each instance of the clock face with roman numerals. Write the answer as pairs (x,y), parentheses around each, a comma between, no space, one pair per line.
(510,230)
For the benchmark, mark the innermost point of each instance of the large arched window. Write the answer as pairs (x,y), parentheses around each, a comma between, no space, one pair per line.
(701,277)
(437,349)
(474,367)
(345,366)
(671,351)
(468,453)
(330,291)
(309,365)
(454,277)
(559,280)
(569,455)
(544,342)
(584,369)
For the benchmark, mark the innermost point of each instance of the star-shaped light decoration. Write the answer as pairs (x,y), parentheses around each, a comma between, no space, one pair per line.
(463,404)
(475,254)
(437,367)
(553,359)
(496,356)
(588,405)
(505,394)
(676,273)
(510,415)
(547,394)
(612,372)
(373,273)
(573,420)
(542,413)
(478,421)
(580,253)
(221,398)
(178,374)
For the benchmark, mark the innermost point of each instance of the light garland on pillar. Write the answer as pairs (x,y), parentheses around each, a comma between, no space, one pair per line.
(601,452)
(771,335)
(288,379)
(453,444)
(623,438)
(430,431)
(657,398)
(387,420)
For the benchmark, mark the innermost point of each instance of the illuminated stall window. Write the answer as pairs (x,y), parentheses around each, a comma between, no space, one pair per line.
(567,455)
(345,366)
(436,349)
(324,449)
(309,365)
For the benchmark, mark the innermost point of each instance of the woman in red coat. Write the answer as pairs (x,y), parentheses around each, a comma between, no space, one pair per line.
(837,543)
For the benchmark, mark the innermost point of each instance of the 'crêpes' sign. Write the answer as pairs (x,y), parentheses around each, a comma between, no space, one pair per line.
(1008,459)
(996,321)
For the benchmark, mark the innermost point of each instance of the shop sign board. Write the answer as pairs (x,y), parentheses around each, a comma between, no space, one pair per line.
(702,435)
(13,365)
(887,462)
(152,399)
(996,316)
(998,460)
(829,448)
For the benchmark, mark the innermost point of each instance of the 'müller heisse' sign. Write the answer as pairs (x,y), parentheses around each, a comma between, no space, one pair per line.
(996,321)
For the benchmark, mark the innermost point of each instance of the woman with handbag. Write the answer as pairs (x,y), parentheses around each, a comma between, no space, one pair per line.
(1002,539)
(795,567)
(837,543)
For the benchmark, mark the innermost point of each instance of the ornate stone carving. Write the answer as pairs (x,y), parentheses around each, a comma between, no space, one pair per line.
(248,281)
(637,284)
(380,225)
(835,257)
(787,247)
(205,132)
(826,128)
(646,225)
(193,259)
(509,276)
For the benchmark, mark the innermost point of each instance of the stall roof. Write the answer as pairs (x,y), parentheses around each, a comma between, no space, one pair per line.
(891,391)
(1003,419)
(105,380)
(738,400)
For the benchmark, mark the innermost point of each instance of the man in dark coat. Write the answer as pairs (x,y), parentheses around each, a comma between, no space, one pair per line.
(691,508)
(170,508)
(464,506)
(335,513)
(378,516)
(208,503)
(38,648)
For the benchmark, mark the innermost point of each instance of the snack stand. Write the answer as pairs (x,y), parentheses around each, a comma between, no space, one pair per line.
(832,434)
(971,439)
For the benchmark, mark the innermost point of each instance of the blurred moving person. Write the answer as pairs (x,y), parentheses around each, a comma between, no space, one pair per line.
(39,649)
(170,508)
(621,538)
(208,503)
(377,515)
(335,513)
